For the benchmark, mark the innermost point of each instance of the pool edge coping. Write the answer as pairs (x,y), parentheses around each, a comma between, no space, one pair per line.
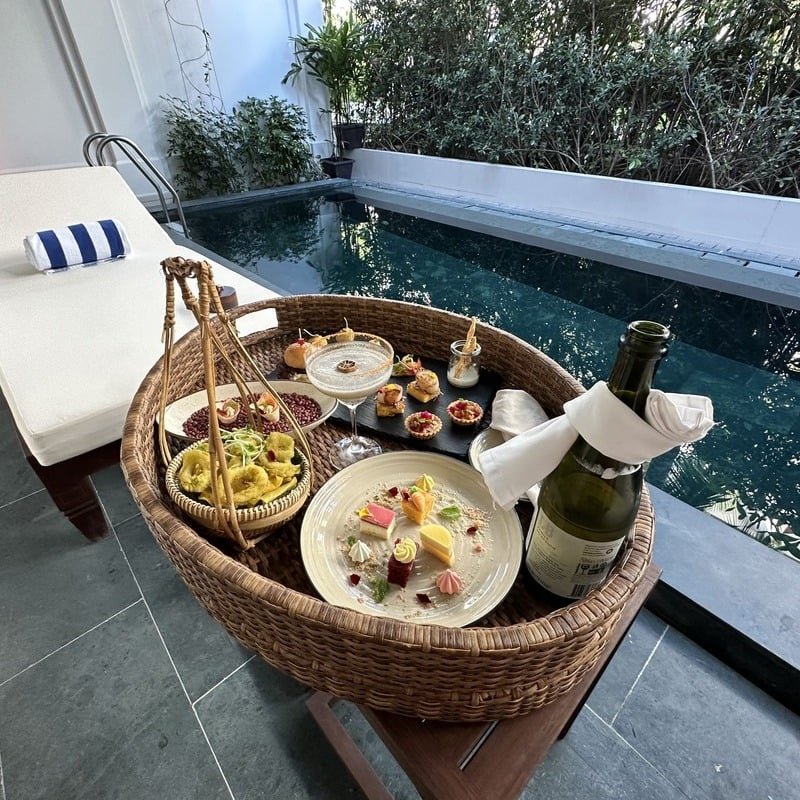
(688,262)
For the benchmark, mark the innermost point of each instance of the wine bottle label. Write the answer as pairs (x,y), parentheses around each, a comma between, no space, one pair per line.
(565,564)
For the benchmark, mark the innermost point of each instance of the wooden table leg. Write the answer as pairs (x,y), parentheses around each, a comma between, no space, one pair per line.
(320,705)
(69,485)
(475,761)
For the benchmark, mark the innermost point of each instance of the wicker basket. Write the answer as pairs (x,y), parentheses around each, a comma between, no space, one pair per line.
(253,522)
(219,345)
(522,656)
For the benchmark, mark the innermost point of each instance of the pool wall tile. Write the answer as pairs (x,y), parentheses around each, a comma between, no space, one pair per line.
(670,259)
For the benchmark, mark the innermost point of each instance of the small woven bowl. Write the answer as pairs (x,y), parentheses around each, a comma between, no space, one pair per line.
(254,521)
(465,422)
(432,430)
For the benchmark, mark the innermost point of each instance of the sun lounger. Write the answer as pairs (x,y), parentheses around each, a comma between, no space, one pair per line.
(74,346)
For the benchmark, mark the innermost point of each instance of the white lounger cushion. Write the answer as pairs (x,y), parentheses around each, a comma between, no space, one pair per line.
(74,347)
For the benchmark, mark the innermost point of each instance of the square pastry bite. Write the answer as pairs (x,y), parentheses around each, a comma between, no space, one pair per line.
(389,402)
(377,521)
(425,386)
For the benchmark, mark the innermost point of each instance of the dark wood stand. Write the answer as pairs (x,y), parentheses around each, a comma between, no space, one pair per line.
(470,761)
(70,485)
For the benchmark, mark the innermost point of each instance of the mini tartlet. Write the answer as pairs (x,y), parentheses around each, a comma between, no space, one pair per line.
(465,412)
(422,425)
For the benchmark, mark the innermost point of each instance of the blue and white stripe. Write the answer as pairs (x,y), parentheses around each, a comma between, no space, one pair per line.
(76,245)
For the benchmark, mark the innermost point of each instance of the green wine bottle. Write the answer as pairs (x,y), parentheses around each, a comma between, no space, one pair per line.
(588,504)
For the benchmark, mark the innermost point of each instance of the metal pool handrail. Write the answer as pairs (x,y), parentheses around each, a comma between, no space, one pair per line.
(149,171)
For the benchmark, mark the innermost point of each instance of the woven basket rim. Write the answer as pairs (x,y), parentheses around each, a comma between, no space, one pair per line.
(563,624)
(279,505)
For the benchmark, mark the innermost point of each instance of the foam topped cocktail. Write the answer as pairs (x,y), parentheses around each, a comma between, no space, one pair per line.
(350,370)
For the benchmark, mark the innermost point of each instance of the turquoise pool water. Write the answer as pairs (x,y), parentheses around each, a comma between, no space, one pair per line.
(743,353)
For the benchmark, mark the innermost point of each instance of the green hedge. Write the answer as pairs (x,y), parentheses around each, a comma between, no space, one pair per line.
(261,143)
(699,92)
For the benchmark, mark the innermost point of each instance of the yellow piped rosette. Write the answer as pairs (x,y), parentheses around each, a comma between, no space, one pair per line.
(424,482)
(405,550)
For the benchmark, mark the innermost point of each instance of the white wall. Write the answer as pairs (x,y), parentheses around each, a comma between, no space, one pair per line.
(69,67)
(43,115)
(252,52)
(744,223)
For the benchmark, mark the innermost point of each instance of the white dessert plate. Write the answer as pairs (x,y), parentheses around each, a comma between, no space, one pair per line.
(177,412)
(488,560)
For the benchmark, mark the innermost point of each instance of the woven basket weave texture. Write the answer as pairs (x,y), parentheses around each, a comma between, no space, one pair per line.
(522,656)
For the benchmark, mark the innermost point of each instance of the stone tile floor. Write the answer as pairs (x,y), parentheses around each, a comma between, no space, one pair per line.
(114,683)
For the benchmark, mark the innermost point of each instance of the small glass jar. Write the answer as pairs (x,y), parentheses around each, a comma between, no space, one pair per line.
(463,368)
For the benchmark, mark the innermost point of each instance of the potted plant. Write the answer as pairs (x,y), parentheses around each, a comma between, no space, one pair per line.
(336,55)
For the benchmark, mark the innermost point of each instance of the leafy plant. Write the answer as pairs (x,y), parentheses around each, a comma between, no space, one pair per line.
(336,54)
(700,92)
(205,143)
(261,143)
(273,142)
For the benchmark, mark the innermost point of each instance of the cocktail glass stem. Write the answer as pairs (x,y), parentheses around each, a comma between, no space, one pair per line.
(353,422)
(354,447)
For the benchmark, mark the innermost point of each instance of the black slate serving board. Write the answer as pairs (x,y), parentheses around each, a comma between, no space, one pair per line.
(452,439)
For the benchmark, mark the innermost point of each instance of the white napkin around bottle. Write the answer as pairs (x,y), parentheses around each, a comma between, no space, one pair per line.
(515,411)
(607,424)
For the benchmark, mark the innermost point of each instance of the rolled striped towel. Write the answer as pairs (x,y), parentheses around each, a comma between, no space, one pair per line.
(76,245)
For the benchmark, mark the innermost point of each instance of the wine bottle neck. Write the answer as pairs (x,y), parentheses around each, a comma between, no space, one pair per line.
(631,378)
(641,349)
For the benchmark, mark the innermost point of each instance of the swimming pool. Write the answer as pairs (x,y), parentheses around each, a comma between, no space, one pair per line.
(743,353)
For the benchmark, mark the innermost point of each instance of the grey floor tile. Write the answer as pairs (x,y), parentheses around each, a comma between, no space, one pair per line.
(114,494)
(202,650)
(105,718)
(593,763)
(382,761)
(267,742)
(54,584)
(710,731)
(628,661)
(18,478)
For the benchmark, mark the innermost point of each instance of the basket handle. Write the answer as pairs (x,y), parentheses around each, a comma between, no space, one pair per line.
(180,269)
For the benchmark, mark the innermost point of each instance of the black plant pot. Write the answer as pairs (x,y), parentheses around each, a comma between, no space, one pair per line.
(349,135)
(337,167)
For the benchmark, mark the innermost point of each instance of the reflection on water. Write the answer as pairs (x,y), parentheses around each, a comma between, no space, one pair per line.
(744,354)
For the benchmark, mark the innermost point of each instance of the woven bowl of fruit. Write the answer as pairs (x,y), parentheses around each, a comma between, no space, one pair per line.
(269,480)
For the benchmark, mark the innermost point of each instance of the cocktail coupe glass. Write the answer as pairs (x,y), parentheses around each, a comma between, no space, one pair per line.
(350,370)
